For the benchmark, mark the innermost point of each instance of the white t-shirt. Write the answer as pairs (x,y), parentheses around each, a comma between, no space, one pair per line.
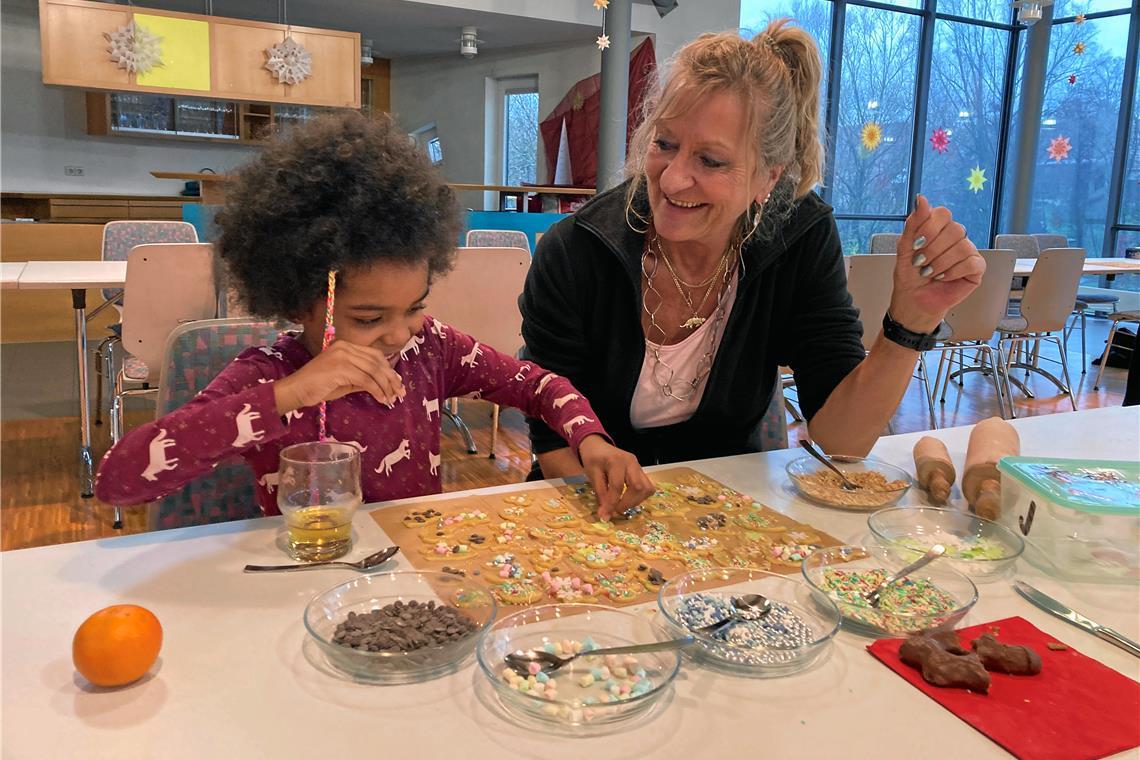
(650,407)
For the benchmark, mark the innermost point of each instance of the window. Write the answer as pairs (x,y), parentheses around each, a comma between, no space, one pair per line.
(520,139)
(1067,8)
(1078,130)
(435,150)
(985,10)
(813,16)
(963,122)
(876,112)
(855,234)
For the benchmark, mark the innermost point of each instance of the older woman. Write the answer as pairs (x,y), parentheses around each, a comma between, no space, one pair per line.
(671,300)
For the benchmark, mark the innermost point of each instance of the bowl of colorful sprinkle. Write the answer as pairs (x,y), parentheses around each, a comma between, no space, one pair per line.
(589,693)
(980,548)
(933,596)
(787,635)
(399,627)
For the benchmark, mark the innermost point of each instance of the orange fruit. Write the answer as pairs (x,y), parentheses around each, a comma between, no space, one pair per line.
(117,645)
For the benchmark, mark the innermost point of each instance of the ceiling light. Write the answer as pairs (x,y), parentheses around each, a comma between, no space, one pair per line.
(366,52)
(1029,11)
(468,42)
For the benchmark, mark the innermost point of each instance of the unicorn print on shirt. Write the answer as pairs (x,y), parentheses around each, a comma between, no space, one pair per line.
(564,400)
(542,383)
(433,463)
(296,414)
(403,451)
(269,481)
(437,327)
(470,359)
(522,373)
(245,432)
(413,345)
(581,419)
(269,351)
(357,444)
(431,405)
(158,461)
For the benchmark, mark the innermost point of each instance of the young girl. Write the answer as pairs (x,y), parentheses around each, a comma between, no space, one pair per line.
(352,196)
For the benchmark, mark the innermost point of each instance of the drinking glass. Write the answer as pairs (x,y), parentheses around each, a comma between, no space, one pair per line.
(318,492)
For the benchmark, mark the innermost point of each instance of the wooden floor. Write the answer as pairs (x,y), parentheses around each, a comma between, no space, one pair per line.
(40,503)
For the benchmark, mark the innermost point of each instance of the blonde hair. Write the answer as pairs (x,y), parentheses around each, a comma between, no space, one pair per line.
(777,73)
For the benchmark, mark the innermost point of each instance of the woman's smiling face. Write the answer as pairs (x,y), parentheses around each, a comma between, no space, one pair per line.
(700,175)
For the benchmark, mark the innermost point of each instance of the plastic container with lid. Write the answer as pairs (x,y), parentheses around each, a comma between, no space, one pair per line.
(1080,518)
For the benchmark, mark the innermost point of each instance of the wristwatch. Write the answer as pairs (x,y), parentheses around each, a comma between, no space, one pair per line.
(896,333)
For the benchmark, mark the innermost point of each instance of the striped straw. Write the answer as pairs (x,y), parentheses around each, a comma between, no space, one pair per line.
(330,331)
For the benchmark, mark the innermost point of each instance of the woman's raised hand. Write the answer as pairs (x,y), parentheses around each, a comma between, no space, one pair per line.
(339,370)
(937,268)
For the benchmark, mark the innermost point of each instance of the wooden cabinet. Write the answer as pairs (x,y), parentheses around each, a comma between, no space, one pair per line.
(73,49)
(90,208)
(239,58)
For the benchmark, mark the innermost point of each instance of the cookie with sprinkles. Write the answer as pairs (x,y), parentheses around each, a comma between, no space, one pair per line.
(556,507)
(513,513)
(598,528)
(517,592)
(568,588)
(420,518)
(561,520)
(648,576)
(602,556)
(547,556)
(618,587)
(444,551)
(523,500)
(756,520)
(446,524)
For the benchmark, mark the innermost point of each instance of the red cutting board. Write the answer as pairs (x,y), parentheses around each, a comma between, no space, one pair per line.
(1075,708)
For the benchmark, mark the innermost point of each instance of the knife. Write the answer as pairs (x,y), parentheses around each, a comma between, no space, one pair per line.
(1057,609)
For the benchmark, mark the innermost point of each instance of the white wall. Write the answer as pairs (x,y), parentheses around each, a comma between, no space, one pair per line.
(43,129)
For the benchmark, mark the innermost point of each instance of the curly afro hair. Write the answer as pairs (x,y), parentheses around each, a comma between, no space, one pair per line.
(339,192)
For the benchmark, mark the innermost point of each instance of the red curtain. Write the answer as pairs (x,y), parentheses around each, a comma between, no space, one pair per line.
(580,110)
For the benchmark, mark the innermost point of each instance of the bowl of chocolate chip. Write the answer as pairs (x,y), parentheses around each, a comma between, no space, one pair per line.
(400,627)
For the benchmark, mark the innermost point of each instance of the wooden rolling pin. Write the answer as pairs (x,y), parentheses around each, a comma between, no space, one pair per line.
(990,440)
(934,469)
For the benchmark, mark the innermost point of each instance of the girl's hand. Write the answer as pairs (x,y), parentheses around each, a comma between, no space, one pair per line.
(615,475)
(339,370)
(937,268)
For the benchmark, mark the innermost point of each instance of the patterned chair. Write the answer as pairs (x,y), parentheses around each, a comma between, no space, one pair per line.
(195,353)
(118,240)
(498,239)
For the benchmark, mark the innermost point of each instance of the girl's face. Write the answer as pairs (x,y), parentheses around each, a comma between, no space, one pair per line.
(380,306)
(700,176)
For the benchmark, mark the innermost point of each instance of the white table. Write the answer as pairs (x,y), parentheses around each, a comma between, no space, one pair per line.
(233,682)
(10,274)
(1099,266)
(78,276)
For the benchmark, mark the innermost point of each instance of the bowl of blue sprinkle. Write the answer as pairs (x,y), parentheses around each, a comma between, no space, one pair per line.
(788,634)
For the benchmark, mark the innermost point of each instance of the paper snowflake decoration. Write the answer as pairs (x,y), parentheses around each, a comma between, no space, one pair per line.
(940,140)
(1080,19)
(603,41)
(871,136)
(977,179)
(1059,148)
(289,61)
(1079,48)
(135,48)
(1072,78)
(601,5)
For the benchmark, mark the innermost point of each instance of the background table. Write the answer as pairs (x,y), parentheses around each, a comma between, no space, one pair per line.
(233,680)
(77,276)
(10,274)
(1110,267)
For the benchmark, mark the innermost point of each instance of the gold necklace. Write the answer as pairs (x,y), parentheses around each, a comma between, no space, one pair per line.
(696,320)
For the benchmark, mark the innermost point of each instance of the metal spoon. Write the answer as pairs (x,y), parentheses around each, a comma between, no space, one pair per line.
(874,595)
(369,562)
(826,461)
(748,607)
(548,662)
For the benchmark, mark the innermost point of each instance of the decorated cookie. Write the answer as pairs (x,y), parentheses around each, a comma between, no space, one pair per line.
(603,556)
(756,520)
(508,532)
(567,588)
(547,556)
(791,554)
(517,592)
(561,520)
(648,576)
(523,500)
(662,504)
(702,544)
(506,566)
(447,524)
(617,587)
(513,513)
(443,551)
(555,506)
(598,528)
(420,518)
(712,521)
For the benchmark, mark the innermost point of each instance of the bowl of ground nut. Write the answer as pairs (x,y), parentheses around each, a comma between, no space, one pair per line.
(878,484)
(400,627)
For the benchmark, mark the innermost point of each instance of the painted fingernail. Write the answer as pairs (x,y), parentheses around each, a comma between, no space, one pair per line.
(919,242)
(926,271)
(940,276)
(919,260)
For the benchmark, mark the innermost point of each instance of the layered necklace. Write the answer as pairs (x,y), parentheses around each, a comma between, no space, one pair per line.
(663,374)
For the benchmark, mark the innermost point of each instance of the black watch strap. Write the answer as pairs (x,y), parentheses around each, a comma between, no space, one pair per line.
(896,333)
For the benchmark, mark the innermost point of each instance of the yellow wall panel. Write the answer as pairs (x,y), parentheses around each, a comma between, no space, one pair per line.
(185,53)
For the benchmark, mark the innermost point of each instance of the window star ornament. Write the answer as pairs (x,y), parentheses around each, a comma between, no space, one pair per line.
(976,182)
(1079,48)
(871,136)
(940,140)
(1080,19)
(601,5)
(1072,78)
(135,48)
(1059,148)
(289,61)
(603,41)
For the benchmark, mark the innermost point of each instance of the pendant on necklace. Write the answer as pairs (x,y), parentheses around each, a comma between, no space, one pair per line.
(692,323)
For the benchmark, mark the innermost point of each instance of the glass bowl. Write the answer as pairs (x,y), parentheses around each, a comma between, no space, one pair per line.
(980,548)
(366,593)
(754,648)
(575,703)
(819,485)
(933,596)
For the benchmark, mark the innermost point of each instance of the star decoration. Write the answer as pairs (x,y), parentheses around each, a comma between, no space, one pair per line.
(603,41)
(135,48)
(977,179)
(1079,48)
(940,140)
(1080,19)
(577,102)
(1059,148)
(871,136)
(1072,78)
(289,61)
(601,5)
